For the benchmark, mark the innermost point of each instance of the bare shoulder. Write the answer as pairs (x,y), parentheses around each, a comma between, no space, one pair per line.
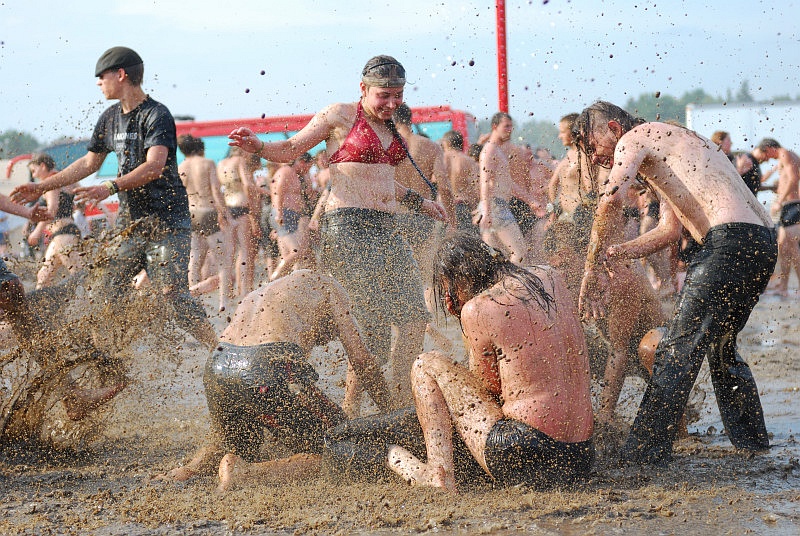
(282,173)
(490,154)
(339,114)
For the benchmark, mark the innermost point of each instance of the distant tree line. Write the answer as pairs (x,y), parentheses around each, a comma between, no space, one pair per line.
(650,106)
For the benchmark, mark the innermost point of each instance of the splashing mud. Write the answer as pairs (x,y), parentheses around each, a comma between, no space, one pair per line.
(102,483)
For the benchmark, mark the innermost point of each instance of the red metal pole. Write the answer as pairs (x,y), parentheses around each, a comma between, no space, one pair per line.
(502,61)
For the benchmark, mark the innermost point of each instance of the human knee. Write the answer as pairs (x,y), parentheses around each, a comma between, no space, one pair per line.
(427,363)
(648,346)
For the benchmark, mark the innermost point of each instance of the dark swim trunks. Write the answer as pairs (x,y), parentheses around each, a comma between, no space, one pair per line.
(250,388)
(291,222)
(238,212)
(517,453)
(790,214)
(522,212)
(68,229)
(205,223)
(5,273)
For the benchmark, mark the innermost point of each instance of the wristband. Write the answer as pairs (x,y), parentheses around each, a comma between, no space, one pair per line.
(260,148)
(112,187)
(412,200)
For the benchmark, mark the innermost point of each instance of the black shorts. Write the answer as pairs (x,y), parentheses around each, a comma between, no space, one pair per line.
(248,390)
(291,222)
(517,453)
(238,212)
(790,214)
(5,273)
(205,223)
(68,229)
(522,212)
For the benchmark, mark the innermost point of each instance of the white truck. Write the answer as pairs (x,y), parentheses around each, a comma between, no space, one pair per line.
(748,123)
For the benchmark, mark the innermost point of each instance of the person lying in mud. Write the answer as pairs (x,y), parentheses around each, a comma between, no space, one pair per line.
(258,378)
(523,407)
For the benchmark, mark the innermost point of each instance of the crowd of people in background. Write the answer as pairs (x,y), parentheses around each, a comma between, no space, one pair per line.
(372,238)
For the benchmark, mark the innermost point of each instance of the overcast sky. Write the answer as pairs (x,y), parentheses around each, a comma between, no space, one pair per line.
(202,56)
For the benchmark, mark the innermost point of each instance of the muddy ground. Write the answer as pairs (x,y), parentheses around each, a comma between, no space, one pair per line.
(161,417)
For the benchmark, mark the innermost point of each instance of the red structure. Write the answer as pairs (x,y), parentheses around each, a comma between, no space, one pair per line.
(460,121)
(502,57)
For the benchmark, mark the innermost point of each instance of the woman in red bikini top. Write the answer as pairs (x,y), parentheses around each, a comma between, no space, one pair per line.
(360,246)
(363,148)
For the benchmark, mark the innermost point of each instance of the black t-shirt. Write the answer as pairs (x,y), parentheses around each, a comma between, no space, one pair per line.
(752,177)
(130,136)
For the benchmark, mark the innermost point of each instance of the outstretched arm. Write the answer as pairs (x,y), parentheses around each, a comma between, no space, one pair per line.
(149,170)
(317,130)
(79,169)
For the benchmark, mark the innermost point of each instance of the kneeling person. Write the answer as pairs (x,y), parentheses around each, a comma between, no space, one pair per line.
(259,377)
(523,408)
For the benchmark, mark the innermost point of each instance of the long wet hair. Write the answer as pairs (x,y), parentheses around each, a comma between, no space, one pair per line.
(467,262)
(600,113)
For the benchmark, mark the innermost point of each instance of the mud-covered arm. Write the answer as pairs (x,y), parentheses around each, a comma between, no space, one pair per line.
(667,232)
(627,159)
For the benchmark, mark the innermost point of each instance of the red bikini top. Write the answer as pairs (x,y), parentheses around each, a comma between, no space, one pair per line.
(362,145)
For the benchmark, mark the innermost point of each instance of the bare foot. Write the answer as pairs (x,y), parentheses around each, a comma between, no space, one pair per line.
(416,473)
(179,474)
(231,470)
(79,402)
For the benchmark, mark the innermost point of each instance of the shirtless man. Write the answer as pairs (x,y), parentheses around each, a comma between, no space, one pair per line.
(523,407)
(259,378)
(532,189)
(209,215)
(292,199)
(499,227)
(736,255)
(788,198)
(463,172)
(572,192)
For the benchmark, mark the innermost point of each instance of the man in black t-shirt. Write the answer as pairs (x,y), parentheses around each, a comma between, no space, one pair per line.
(141,132)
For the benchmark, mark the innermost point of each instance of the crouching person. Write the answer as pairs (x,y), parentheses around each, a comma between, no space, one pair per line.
(259,379)
(523,407)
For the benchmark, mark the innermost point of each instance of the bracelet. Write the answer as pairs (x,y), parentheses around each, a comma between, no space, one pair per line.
(112,186)
(412,200)
(261,148)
